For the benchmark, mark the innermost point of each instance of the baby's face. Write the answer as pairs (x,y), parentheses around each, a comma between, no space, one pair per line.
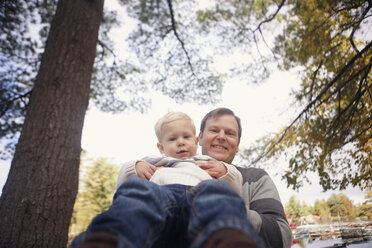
(178,139)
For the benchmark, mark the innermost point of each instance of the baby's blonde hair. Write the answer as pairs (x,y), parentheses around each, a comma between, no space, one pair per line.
(169,117)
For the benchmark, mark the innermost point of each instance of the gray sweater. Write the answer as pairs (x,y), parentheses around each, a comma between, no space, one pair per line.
(264,208)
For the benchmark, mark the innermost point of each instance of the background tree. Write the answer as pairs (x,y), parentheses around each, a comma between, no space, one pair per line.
(306,209)
(38,197)
(321,209)
(331,44)
(97,186)
(336,206)
(366,207)
(342,207)
(351,210)
(293,208)
(296,210)
(332,134)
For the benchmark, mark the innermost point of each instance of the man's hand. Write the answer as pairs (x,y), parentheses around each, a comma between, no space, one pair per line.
(215,169)
(145,170)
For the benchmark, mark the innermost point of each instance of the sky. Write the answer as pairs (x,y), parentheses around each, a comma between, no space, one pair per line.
(262,108)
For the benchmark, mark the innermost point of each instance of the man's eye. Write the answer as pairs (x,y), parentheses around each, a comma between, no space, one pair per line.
(213,130)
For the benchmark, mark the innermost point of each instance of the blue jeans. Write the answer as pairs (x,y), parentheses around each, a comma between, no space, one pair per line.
(143,214)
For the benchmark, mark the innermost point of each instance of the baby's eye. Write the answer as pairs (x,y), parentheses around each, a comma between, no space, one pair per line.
(186,137)
(172,139)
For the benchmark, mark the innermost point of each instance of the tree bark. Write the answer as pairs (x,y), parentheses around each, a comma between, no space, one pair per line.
(37,200)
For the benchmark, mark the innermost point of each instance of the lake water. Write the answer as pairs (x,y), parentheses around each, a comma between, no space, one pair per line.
(330,243)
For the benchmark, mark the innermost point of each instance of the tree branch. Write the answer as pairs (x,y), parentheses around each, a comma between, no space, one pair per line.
(9,102)
(174,28)
(356,26)
(358,135)
(313,80)
(266,21)
(272,17)
(313,102)
(350,8)
(104,46)
(359,95)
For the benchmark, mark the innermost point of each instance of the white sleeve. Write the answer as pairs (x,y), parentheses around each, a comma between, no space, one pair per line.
(127,170)
(234,177)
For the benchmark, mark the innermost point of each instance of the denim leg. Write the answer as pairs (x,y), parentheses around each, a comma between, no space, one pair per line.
(174,234)
(215,205)
(139,211)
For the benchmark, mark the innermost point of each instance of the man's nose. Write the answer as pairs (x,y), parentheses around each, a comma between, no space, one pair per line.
(221,135)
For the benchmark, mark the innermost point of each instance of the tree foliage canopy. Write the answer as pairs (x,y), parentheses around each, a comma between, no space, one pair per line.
(366,208)
(331,43)
(166,59)
(20,55)
(175,44)
(321,208)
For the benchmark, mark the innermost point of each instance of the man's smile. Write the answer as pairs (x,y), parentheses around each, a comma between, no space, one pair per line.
(219,147)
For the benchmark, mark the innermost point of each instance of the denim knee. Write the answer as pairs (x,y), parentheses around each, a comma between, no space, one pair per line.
(215,205)
(136,183)
(136,212)
(220,186)
(143,194)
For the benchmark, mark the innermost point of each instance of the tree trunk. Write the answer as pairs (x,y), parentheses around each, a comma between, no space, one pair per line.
(37,200)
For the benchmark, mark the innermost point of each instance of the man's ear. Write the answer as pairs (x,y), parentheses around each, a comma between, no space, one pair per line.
(237,147)
(197,140)
(200,137)
(160,147)
(237,150)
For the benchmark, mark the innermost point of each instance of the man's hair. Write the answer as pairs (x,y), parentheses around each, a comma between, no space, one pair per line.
(169,117)
(219,112)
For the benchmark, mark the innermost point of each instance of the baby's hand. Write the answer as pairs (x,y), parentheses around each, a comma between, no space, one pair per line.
(145,170)
(215,169)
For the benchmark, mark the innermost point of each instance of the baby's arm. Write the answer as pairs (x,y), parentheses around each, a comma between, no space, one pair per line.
(144,169)
(217,169)
(127,170)
(140,168)
(234,177)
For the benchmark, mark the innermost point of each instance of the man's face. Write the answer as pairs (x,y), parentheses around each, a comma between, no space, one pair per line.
(220,138)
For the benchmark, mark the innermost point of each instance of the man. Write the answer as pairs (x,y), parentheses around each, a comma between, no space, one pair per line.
(219,137)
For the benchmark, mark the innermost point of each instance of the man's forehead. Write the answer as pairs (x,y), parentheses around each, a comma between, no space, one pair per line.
(228,121)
